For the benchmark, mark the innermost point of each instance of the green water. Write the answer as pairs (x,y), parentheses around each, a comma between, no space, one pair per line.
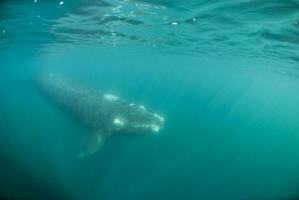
(223,74)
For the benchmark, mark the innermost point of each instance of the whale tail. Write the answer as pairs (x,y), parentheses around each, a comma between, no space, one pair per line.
(92,143)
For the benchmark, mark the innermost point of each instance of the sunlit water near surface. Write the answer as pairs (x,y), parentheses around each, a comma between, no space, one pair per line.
(223,74)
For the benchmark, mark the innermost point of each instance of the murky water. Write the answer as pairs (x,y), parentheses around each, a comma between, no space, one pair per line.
(223,74)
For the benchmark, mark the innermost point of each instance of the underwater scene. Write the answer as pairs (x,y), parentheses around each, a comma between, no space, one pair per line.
(149,99)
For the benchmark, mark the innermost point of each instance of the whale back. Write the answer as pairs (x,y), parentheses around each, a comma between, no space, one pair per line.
(84,105)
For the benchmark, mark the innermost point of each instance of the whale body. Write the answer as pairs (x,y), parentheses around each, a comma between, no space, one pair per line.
(103,114)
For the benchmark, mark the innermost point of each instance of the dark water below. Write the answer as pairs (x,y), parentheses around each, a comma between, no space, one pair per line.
(224,75)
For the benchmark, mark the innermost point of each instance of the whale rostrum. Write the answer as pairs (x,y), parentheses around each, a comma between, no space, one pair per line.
(103,114)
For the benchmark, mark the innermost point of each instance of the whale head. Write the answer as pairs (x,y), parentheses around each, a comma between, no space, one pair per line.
(137,120)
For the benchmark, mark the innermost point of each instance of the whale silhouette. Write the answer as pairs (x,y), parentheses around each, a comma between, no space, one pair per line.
(103,114)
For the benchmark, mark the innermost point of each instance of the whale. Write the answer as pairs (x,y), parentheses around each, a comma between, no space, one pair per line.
(103,114)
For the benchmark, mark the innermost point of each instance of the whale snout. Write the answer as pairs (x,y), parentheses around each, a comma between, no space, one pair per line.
(159,122)
(146,124)
(135,119)
(160,118)
(153,125)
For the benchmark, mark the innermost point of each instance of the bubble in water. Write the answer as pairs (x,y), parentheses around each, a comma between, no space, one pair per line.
(35,1)
(174,23)
(61,3)
(3,31)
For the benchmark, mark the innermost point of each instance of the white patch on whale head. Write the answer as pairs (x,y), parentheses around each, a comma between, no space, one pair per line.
(110,97)
(159,117)
(118,122)
(155,128)
(142,107)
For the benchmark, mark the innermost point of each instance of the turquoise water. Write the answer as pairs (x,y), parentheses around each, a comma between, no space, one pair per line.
(223,74)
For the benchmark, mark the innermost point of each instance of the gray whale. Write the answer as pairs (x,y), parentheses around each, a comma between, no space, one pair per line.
(103,114)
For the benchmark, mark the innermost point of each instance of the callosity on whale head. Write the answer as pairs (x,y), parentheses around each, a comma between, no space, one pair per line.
(136,119)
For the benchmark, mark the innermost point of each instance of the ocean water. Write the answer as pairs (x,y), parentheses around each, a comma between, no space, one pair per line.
(223,74)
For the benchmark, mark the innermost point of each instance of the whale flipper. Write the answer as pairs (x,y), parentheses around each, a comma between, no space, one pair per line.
(92,143)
